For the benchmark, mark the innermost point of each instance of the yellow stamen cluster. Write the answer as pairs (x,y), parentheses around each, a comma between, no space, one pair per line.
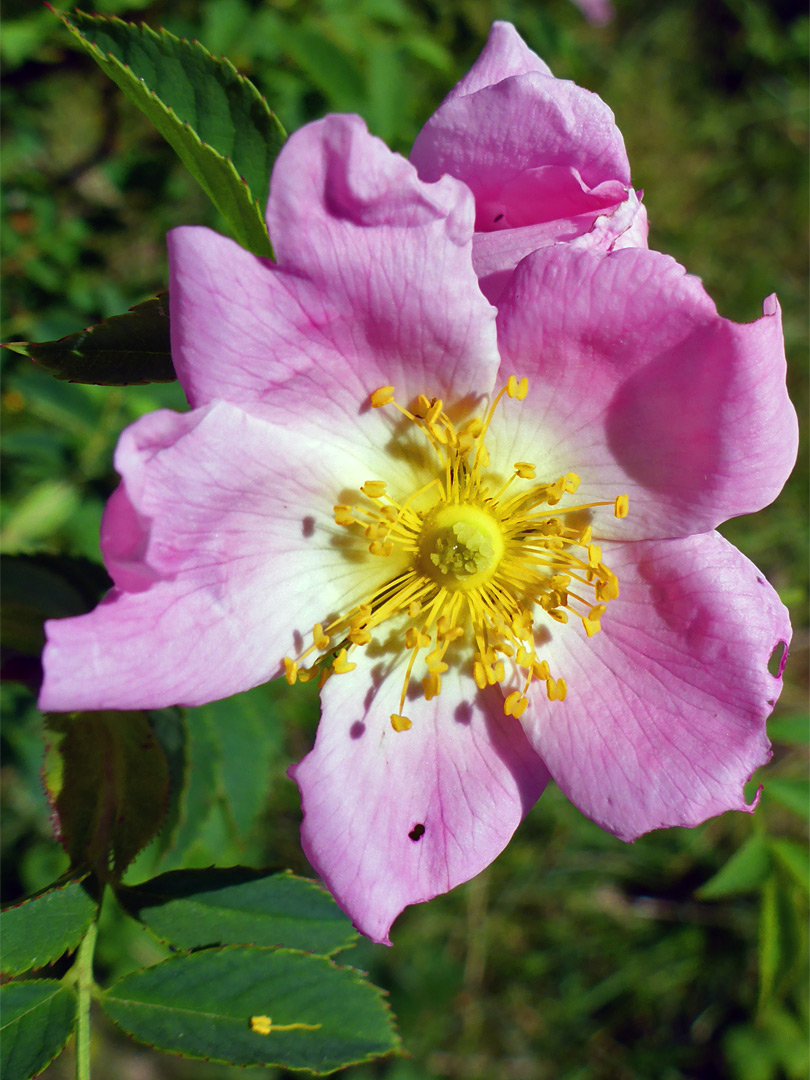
(474,561)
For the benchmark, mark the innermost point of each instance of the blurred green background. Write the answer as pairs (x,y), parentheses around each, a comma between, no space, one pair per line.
(573,957)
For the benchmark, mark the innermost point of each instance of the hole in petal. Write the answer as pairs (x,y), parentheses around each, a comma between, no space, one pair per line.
(778,659)
(417,832)
(357,729)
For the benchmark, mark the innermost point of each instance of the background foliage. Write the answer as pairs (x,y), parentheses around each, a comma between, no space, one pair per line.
(574,957)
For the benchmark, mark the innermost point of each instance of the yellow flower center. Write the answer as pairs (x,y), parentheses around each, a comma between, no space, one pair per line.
(473,560)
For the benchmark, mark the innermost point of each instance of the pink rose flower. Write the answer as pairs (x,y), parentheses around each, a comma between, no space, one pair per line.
(488,532)
(543,158)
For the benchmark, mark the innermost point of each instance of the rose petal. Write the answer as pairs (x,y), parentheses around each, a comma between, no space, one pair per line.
(664,721)
(374,286)
(395,818)
(639,386)
(226,538)
(505,54)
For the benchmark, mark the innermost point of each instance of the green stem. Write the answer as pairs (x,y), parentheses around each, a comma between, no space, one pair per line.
(84,988)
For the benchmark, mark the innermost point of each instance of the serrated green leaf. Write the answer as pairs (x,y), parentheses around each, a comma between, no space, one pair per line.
(37,931)
(238,906)
(247,743)
(217,121)
(108,781)
(744,872)
(792,793)
(794,858)
(208,1005)
(37,1020)
(124,350)
(790,729)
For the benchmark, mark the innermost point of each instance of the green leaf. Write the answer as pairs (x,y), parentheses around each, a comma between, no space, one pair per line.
(792,793)
(744,872)
(208,1005)
(108,780)
(198,796)
(37,1020)
(126,349)
(238,906)
(40,587)
(769,943)
(217,121)
(247,742)
(794,858)
(790,729)
(169,727)
(37,931)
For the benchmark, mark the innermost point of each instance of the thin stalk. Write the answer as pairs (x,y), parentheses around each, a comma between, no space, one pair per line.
(84,989)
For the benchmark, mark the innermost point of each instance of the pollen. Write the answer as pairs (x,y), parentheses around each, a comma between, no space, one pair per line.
(484,560)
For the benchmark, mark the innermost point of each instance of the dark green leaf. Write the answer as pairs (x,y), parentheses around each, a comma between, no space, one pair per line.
(39,930)
(126,349)
(108,780)
(37,1020)
(41,587)
(216,121)
(769,943)
(792,793)
(208,1005)
(238,906)
(744,872)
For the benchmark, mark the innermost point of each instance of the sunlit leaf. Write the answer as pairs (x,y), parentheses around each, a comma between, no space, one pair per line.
(37,1020)
(253,1006)
(37,931)
(217,121)
(238,906)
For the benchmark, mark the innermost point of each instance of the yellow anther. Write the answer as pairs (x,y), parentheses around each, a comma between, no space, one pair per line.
(381,547)
(558,615)
(516,704)
(592,626)
(416,639)
(585,536)
(359,637)
(434,411)
(308,674)
(383,396)
(474,426)
(341,665)
(556,689)
(483,457)
(375,489)
(422,406)
(290,670)
(523,658)
(517,389)
(540,669)
(432,685)
(414,608)
(319,638)
(480,675)
(262,1025)
(594,555)
(621,506)
(498,671)
(597,612)
(572,482)
(400,723)
(525,470)
(344,515)
(438,667)
(389,513)
(442,625)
